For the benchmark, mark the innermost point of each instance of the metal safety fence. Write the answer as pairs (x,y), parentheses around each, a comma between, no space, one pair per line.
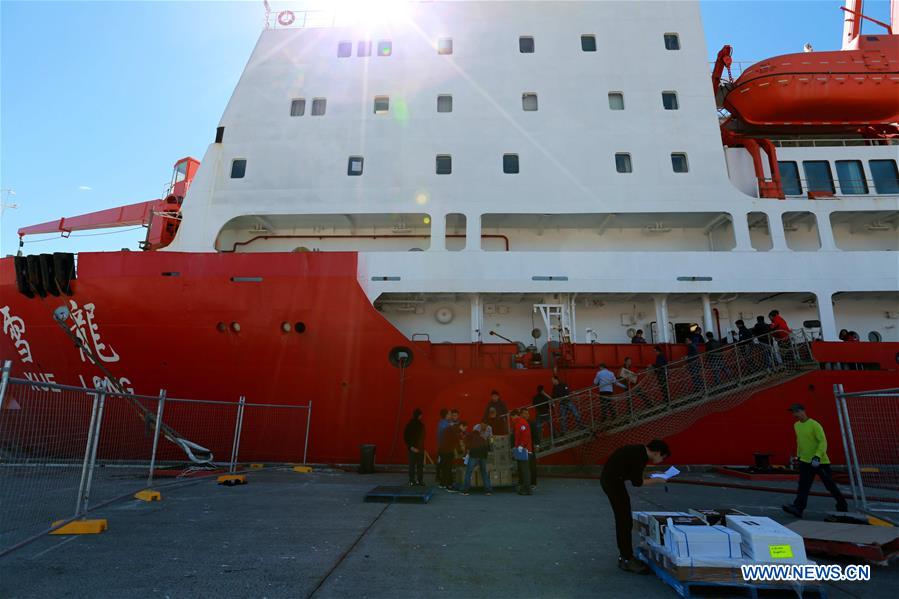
(869,423)
(66,450)
(664,400)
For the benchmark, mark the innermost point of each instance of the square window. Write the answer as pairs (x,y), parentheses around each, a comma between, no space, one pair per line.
(679,162)
(669,100)
(510,163)
(382,104)
(526,44)
(363,48)
(672,41)
(885,175)
(818,176)
(529,102)
(444,164)
(385,48)
(616,100)
(319,105)
(445,45)
(444,103)
(623,163)
(588,43)
(344,49)
(789,178)
(238,168)
(298,107)
(354,166)
(852,177)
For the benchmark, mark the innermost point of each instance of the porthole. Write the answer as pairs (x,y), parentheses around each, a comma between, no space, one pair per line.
(400,357)
(299,327)
(875,337)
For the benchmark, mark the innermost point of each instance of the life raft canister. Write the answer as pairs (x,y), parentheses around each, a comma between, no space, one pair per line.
(286,18)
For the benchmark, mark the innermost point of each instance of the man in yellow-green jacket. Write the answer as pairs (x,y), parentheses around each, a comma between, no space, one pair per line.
(811,449)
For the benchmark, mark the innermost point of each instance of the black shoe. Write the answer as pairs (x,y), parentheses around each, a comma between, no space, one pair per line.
(633,565)
(792,510)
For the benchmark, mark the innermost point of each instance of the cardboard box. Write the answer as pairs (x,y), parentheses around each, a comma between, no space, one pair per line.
(764,540)
(702,541)
(657,525)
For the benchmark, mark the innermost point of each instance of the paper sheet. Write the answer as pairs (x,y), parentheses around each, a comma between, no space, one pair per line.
(671,472)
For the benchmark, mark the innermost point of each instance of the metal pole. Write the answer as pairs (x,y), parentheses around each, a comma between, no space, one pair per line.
(306,440)
(87,454)
(854,456)
(4,382)
(93,462)
(159,407)
(235,450)
(838,395)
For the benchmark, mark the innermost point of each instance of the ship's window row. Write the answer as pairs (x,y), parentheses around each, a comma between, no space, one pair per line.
(363,48)
(818,177)
(444,45)
(298,106)
(529,103)
(511,166)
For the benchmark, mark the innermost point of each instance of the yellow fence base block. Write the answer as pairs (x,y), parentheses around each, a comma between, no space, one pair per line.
(148,495)
(874,521)
(302,469)
(81,527)
(232,479)
(256,466)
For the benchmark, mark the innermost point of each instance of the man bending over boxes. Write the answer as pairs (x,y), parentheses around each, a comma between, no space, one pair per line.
(627,463)
(811,449)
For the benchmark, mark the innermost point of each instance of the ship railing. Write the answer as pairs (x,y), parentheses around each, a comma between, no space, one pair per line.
(871,446)
(834,142)
(667,399)
(66,451)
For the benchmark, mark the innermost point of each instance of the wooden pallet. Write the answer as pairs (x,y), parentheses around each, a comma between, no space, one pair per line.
(701,588)
(399,494)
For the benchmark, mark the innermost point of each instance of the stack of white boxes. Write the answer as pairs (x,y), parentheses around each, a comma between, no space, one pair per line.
(764,540)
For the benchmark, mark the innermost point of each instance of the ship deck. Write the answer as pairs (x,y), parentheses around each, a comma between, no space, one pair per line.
(298,535)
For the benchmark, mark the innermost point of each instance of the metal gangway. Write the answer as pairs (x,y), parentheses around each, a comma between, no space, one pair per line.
(667,400)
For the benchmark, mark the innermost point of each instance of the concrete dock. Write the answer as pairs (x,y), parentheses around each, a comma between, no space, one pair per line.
(287,534)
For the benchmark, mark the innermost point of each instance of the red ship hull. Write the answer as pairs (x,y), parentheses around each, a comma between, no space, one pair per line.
(162,314)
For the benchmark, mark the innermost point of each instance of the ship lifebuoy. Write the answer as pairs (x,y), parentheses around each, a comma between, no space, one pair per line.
(286,18)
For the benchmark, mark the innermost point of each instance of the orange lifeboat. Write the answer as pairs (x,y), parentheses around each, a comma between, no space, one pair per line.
(830,91)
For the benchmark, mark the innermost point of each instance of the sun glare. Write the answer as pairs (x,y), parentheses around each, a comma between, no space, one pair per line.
(369,12)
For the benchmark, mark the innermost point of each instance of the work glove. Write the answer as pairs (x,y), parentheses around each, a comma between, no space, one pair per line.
(816,461)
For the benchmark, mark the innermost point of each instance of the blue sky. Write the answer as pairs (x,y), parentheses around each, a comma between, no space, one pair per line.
(99,99)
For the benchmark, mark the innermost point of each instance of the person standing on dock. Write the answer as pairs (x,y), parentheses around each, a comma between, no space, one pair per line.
(521,451)
(626,464)
(811,449)
(414,435)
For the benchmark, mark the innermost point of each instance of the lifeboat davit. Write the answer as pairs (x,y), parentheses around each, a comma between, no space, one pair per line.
(836,90)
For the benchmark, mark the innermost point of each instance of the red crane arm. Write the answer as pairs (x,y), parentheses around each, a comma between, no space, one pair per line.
(122,216)
(723,61)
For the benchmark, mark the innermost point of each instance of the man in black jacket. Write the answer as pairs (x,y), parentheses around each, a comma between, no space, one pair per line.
(627,463)
(414,435)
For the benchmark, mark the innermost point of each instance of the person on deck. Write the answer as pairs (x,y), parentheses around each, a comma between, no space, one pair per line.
(497,403)
(811,450)
(626,464)
(638,337)
(414,435)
